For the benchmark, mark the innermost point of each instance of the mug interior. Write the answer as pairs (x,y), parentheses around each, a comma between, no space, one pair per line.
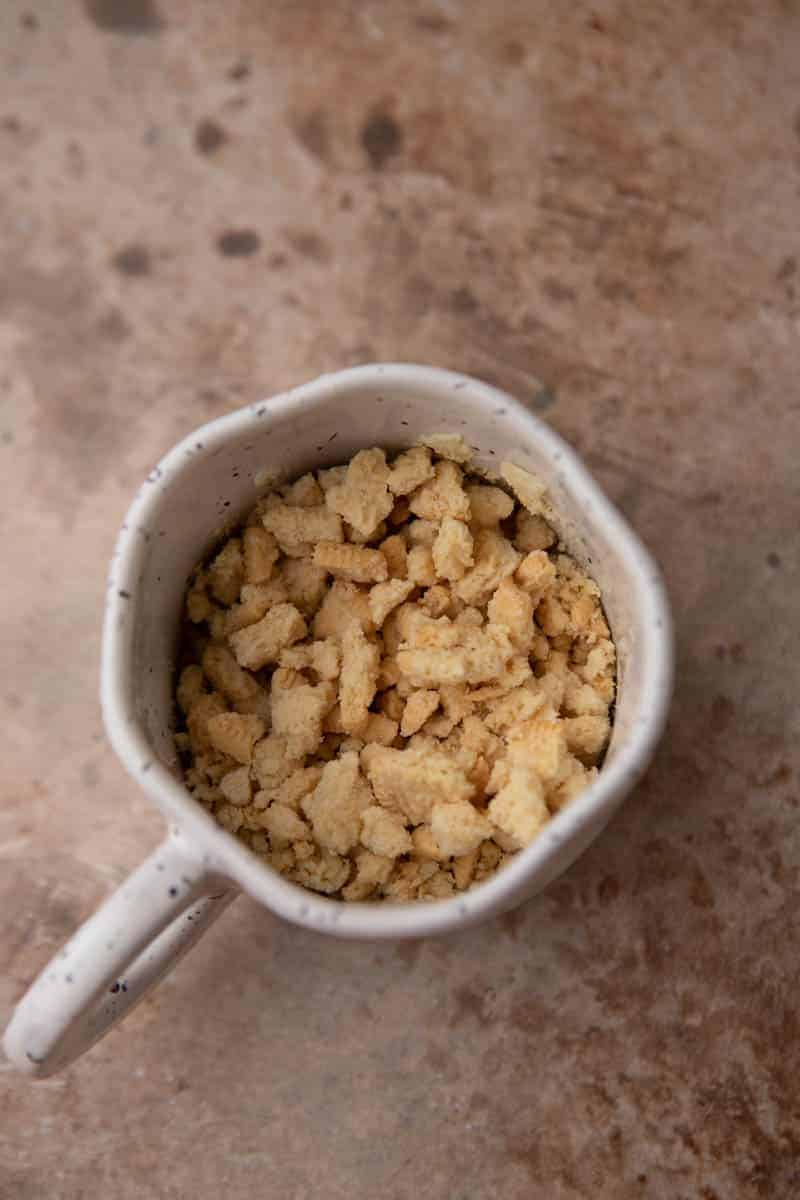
(206,485)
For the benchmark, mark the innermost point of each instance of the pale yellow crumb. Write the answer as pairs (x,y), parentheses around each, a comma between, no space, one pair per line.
(442,496)
(363,498)
(191,686)
(411,780)
(261,643)
(372,870)
(379,728)
(420,566)
(384,597)
(529,490)
(343,605)
(256,601)
(459,827)
(532,532)
(384,833)
(395,551)
(273,762)
(452,550)
(424,845)
(337,803)
(358,678)
(494,559)
(298,712)
(296,528)
(202,710)
(260,554)
(235,734)
(519,809)
(463,868)
(236,786)
(409,470)
(355,563)
(305,584)
(284,825)
(305,492)
(224,673)
(419,706)
(488,505)
(226,573)
(448,445)
(421,532)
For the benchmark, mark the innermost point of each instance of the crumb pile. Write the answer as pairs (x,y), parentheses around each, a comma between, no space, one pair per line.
(392,675)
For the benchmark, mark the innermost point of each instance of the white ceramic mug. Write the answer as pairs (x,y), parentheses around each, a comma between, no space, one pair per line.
(197,491)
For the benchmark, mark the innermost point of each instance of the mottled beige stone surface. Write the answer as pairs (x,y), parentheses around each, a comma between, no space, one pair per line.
(595,206)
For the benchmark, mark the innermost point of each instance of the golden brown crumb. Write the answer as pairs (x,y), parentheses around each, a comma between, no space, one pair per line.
(388,718)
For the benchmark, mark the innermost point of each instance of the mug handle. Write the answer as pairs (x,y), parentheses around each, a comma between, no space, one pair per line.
(122,951)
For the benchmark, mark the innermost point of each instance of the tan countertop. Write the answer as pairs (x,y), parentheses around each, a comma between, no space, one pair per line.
(596,207)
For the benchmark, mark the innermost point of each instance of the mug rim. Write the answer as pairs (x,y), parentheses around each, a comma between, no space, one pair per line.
(220,851)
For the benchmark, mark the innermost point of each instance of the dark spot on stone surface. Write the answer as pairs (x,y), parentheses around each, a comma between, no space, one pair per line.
(470,1004)
(311,132)
(240,70)
(114,326)
(346,202)
(238,243)
(463,302)
(722,713)
(432,23)
(436,1058)
(11,124)
(209,136)
(173,891)
(132,260)
(787,269)
(773,559)
(512,54)
(607,889)
(512,921)
(277,260)
(557,291)
(382,139)
(124,16)
(700,892)
(409,952)
(90,775)
(7,438)
(543,400)
(309,244)
(29,21)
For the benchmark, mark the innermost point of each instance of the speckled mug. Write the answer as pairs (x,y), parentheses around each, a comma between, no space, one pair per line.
(198,489)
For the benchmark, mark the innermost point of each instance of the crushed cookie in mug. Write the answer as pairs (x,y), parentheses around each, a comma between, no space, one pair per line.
(393,675)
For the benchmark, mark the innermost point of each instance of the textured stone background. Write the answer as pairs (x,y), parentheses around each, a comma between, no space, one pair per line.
(594,205)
